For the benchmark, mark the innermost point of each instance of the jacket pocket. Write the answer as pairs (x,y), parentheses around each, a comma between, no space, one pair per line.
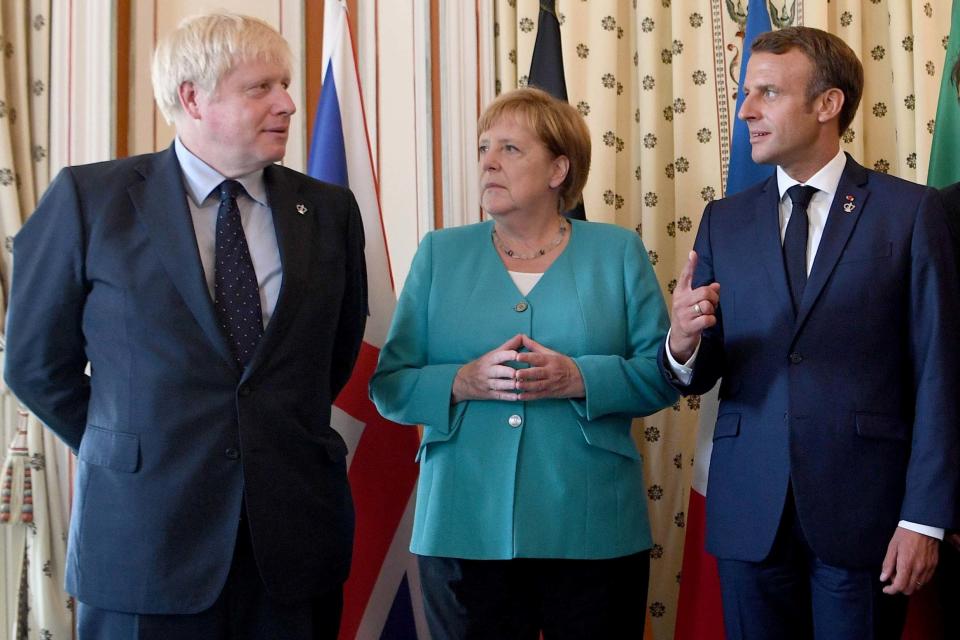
(611,433)
(114,450)
(882,426)
(872,252)
(728,426)
(432,435)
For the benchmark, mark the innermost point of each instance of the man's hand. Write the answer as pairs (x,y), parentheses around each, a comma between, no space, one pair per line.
(910,561)
(693,311)
(953,539)
(487,378)
(550,375)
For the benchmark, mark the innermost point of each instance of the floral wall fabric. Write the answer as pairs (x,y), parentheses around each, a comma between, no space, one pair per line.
(656,81)
(33,605)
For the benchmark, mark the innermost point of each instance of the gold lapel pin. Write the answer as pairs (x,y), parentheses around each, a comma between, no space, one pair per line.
(301,208)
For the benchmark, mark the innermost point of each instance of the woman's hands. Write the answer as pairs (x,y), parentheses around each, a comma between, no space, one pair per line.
(550,374)
(487,377)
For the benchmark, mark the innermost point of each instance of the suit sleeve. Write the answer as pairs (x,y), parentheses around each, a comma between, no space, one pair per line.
(710,356)
(934,469)
(406,387)
(45,356)
(353,308)
(631,383)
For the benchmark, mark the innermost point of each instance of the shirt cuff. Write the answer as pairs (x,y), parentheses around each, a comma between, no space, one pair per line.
(683,372)
(933,532)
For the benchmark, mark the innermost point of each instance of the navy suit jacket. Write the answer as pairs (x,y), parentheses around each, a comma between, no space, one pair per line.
(853,400)
(951,200)
(171,435)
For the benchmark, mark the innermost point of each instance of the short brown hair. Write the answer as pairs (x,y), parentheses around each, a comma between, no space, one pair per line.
(835,65)
(559,127)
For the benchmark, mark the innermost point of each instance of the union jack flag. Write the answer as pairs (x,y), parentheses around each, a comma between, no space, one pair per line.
(381,595)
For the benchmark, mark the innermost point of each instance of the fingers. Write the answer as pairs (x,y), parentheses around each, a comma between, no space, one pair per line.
(909,563)
(534,346)
(686,274)
(954,539)
(496,358)
(512,344)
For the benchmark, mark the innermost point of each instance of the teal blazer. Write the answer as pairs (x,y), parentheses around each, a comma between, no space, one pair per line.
(541,479)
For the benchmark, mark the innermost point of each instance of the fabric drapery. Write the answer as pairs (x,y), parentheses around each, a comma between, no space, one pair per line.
(33,605)
(657,84)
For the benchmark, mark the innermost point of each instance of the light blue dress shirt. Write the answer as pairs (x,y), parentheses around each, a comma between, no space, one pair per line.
(200,181)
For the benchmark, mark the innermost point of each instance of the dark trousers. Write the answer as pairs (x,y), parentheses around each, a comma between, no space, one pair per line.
(243,611)
(792,594)
(948,583)
(517,599)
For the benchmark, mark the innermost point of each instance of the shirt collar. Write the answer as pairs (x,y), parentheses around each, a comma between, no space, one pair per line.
(826,179)
(200,179)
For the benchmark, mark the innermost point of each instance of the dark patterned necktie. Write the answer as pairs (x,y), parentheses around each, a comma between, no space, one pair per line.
(795,241)
(236,294)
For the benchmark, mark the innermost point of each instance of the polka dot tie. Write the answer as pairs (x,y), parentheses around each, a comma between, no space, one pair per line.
(236,294)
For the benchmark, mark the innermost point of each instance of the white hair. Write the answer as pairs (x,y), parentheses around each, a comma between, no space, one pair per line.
(203,49)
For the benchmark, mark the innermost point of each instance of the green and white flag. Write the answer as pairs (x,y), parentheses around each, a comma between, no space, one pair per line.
(945,151)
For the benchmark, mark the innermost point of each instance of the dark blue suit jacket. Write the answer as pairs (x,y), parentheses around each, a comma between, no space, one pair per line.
(853,401)
(951,201)
(171,435)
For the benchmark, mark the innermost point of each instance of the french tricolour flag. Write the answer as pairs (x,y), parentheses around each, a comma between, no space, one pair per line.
(380,600)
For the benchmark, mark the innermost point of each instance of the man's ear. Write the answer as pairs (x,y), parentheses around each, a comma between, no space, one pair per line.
(829,104)
(189,97)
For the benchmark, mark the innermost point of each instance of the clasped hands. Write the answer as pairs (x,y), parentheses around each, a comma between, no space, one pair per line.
(550,374)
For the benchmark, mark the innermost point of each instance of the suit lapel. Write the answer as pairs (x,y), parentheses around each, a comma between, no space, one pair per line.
(161,203)
(836,233)
(769,247)
(293,222)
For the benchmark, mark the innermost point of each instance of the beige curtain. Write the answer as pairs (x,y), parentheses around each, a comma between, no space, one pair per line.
(33,604)
(656,81)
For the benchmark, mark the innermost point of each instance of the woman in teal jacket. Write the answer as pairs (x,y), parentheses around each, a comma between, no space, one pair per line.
(525,345)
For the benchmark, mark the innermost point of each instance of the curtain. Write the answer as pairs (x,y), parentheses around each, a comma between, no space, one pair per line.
(33,604)
(656,81)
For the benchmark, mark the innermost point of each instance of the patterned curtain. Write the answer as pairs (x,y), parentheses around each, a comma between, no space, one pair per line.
(656,81)
(33,604)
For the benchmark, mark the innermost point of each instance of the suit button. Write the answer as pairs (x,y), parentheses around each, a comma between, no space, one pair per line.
(796,358)
(520,307)
(244,391)
(232,453)
(515,421)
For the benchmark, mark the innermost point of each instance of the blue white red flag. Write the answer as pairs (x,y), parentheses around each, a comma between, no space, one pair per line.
(380,596)
(743,171)
(699,610)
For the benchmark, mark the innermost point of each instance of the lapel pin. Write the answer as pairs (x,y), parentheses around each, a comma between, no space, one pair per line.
(301,208)
(848,206)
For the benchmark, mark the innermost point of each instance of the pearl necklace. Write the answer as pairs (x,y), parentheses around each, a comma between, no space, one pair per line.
(539,252)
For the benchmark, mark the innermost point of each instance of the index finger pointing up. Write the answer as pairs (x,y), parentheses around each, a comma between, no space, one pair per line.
(686,275)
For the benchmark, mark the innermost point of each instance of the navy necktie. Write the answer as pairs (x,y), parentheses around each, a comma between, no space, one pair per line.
(236,294)
(795,241)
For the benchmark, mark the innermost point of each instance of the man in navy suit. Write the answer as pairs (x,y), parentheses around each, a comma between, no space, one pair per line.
(826,301)
(949,569)
(220,301)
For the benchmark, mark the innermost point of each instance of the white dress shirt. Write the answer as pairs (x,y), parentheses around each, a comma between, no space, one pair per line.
(826,181)
(200,181)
